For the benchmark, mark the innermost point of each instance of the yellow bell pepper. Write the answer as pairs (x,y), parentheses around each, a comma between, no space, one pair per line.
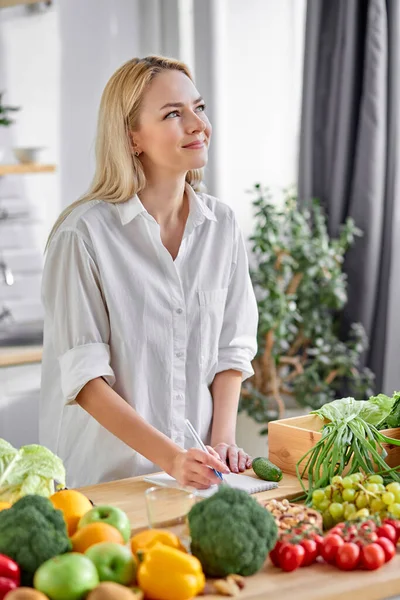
(170,574)
(149,537)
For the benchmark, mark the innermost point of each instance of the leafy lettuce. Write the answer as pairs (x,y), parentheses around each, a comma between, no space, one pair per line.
(32,469)
(393,418)
(377,410)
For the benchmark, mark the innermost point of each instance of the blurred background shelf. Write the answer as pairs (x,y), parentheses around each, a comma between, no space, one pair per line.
(21,169)
(11,356)
(7,3)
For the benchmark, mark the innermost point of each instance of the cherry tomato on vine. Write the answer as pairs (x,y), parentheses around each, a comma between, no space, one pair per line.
(372,556)
(388,547)
(387,531)
(347,556)
(311,552)
(330,547)
(291,556)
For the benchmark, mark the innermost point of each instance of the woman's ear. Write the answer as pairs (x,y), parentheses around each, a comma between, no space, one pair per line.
(133,143)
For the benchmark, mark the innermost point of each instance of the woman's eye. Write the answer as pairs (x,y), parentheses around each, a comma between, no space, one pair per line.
(201,108)
(171,114)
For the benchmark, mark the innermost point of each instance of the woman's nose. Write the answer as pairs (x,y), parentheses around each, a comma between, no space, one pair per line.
(196,123)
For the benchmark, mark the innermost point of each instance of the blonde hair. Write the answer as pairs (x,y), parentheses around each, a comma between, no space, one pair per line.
(119,174)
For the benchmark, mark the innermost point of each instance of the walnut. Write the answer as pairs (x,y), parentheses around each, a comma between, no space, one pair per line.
(227,587)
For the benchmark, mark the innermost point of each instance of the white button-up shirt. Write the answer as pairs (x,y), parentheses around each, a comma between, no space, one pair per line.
(158,330)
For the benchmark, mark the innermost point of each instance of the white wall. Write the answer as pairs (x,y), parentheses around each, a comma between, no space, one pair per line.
(259,50)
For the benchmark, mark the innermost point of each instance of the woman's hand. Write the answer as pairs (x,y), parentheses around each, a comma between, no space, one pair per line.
(192,468)
(233,456)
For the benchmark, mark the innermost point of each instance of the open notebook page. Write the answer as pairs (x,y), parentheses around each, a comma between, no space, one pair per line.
(240,482)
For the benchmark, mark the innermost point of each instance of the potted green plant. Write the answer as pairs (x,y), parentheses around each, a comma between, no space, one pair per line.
(301,289)
(5,120)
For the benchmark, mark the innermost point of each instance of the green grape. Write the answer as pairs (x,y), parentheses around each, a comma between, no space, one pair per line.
(336,510)
(375,479)
(327,520)
(356,477)
(347,483)
(393,487)
(396,496)
(337,497)
(388,498)
(336,479)
(381,487)
(329,491)
(364,512)
(324,505)
(377,505)
(394,509)
(348,494)
(318,496)
(349,510)
(372,487)
(361,500)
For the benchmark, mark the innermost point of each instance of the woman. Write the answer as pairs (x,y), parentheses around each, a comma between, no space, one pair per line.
(150,317)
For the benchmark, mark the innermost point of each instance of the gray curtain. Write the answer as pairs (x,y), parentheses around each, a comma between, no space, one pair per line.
(349,145)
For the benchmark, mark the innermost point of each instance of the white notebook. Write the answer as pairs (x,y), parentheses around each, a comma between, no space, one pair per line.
(240,482)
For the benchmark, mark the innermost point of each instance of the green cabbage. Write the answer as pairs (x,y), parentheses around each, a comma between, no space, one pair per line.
(32,469)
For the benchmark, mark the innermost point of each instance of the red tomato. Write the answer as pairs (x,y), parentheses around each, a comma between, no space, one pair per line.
(371,537)
(319,539)
(311,552)
(347,556)
(6,585)
(330,547)
(396,524)
(368,525)
(387,531)
(337,529)
(9,568)
(274,554)
(372,556)
(388,547)
(291,556)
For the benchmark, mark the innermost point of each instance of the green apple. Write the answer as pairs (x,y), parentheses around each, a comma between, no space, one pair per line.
(108,514)
(113,562)
(68,576)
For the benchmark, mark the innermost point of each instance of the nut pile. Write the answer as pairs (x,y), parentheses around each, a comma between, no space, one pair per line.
(288,515)
(230,586)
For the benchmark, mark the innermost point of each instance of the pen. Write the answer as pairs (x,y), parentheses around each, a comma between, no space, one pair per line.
(197,438)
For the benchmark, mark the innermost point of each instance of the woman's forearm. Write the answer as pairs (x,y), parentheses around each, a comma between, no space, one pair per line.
(118,417)
(225,390)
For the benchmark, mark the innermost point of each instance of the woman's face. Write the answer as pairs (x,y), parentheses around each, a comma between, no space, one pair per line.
(174,132)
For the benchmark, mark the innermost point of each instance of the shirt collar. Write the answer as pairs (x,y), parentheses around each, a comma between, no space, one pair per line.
(198,209)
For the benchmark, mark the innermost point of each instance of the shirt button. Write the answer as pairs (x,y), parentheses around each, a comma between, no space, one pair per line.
(179,354)
(179,311)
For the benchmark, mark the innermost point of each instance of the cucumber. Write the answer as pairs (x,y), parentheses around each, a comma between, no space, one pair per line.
(265,469)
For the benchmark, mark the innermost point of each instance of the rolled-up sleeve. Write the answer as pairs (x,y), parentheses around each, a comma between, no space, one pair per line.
(238,339)
(76,313)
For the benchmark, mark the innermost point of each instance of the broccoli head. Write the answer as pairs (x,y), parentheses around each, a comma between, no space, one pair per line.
(231,533)
(31,532)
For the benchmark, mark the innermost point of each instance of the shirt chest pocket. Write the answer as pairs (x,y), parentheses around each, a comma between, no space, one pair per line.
(212,308)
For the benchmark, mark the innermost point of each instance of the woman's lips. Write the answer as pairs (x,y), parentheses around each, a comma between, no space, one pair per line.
(194,146)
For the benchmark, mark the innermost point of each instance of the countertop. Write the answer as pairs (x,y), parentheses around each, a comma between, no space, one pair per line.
(11,356)
(318,582)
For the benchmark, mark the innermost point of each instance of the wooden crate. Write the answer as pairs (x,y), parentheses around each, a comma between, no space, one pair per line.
(289,439)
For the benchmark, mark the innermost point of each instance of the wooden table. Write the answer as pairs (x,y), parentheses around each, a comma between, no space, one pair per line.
(319,582)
